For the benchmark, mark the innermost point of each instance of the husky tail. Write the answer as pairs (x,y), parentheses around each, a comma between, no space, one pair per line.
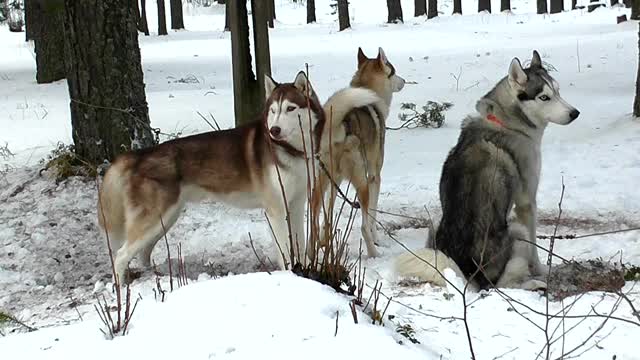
(426,265)
(341,103)
(111,205)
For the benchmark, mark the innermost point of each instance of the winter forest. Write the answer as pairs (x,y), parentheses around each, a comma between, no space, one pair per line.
(287,179)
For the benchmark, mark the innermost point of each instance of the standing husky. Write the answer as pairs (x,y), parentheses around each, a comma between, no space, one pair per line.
(144,191)
(353,142)
(494,166)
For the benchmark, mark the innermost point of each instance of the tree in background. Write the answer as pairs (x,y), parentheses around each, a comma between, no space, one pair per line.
(394,9)
(457,7)
(248,90)
(636,102)
(343,14)
(177,20)
(49,39)
(557,6)
(420,8)
(142,17)
(311,11)
(635,10)
(162,18)
(484,5)
(227,21)
(541,6)
(271,12)
(433,9)
(31,20)
(109,113)
(505,5)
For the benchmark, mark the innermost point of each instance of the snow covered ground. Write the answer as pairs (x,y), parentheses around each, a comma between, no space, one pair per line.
(53,259)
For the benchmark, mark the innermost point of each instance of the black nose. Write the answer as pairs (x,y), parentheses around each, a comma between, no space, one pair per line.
(275,131)
(574,114)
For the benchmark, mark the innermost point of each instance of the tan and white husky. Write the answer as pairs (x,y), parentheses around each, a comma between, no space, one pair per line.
(353,143)
(144,191)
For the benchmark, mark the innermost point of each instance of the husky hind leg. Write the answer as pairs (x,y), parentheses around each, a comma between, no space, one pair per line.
(517,273)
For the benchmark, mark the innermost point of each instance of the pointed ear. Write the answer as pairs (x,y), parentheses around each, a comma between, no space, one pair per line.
(517,75)
(536,61)
(361,57)
(301,82)
(269,85)
(382,57)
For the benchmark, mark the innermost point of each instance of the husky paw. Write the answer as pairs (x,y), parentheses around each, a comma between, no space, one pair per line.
(534,285)
(373,252)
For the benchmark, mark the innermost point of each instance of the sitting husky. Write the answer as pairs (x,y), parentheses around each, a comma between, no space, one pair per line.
(494,166)
(356,131)
(144,191)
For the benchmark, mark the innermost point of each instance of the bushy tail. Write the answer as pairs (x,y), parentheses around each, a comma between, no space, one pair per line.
(426,265)
(343,101)
(111,203)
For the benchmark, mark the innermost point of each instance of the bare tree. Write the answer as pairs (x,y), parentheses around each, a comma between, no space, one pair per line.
(556,6)
(484,5)
(311,11)
(635,10)
(49,40)
(636,102)
(162,18)
(271,12)
(574,3)
(143,25)
(420,8)
(394,9)
(343,14)
(31,20)
(505,5)
(457,7)
(248,90)
(177,19)
(227,12)
(109,113)
(541,6)
(433,9)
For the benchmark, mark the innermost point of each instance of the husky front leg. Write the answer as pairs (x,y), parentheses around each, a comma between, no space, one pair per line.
(296,216)
(280,223)
(527,215)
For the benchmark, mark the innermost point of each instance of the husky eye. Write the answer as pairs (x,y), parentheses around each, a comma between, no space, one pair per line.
(290,108)
(273,111)
(544,98)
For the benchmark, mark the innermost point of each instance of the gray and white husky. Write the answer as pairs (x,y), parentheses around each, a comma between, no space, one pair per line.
(495,166)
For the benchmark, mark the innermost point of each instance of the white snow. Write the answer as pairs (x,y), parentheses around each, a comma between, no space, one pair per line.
(52,256)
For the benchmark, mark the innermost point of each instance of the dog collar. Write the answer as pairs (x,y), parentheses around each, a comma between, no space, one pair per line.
(494,119)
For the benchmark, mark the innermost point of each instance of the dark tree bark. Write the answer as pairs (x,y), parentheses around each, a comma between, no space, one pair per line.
(271,12)
(627,3)
(505,5)
(177,20)
(143,25)
(457,7)
(343,14)
(248,91)
(556,6)
(31,20)
(433,9)
(420,8)
(574,3)
(49,42)
(162,18)
(484,5)
(395,11)
(227,16)
(541,6)
(311,11)
(636,102)
(635,10)
(109,112)
(590,8)
(613,2)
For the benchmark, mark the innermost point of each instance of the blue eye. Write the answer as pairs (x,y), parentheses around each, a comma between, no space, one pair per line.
(291,108)
(544,98)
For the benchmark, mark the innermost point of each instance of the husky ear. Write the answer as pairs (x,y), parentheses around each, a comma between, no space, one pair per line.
(361,57)
(517,76)
(301,82)
(382,57)
(536,61)
(269,85)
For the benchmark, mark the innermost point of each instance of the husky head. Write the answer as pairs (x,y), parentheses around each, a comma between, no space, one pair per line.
(377,74)
(294,117)
(539,94)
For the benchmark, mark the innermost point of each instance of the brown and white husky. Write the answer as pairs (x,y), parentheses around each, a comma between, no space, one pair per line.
(353,143)
(144,191)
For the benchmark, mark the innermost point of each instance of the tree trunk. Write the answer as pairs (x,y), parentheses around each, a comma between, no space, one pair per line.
(613,3)
(271,12)
(420,8)
(162,18)
(144,25)
(457,7)
(109,113)
(433,9)
(590,8)
(636,102)
(177,20)
(627,3)
(484,5)
(505,5)
(49,43)
(227,15)
(343,14)
(246,95)
(574,3)
(635,10)
(556,6)
(31,20)
(542,6)
(261,12)
(395,11)
(311,11)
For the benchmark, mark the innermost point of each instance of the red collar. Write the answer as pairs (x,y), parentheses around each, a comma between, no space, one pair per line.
(492,118)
